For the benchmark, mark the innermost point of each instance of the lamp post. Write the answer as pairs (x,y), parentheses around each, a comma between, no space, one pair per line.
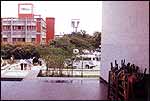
(82,68)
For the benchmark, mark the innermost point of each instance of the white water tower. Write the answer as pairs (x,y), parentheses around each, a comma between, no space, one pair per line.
(75,24)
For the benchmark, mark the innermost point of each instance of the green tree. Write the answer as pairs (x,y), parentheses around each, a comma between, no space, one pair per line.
(97,39)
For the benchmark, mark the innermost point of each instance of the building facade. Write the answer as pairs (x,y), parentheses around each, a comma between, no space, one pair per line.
(27,28)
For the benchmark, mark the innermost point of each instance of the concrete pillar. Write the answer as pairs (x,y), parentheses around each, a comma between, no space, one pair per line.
(125,34)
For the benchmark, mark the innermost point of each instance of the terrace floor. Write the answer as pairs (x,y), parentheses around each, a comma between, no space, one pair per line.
(44,88)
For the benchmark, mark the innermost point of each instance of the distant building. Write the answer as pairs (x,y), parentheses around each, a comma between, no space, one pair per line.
(28,27)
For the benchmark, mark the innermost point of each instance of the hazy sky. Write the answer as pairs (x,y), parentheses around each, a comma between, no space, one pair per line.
(89,13)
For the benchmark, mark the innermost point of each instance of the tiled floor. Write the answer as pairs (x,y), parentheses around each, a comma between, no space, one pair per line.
(43,89)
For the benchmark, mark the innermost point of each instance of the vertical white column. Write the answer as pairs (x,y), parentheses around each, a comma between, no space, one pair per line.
(26,30)
(11,31)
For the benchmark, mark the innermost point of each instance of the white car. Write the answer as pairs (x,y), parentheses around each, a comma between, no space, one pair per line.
(86,61)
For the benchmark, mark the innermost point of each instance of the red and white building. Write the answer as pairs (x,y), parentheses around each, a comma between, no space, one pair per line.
(28,27)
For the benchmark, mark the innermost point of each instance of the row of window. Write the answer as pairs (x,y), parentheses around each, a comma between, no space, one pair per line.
(21,39)
(8,28)
(18,39)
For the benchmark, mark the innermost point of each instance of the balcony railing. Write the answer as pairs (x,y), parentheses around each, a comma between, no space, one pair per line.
(6,22)
(19,32)
(18,36)
(5,32)
(33,23)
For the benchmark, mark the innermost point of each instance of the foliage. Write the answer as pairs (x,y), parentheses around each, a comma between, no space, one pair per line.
(19,50)
(97,39)
(56,52)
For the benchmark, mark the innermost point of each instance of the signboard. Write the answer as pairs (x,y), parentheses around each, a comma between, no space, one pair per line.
(25,9)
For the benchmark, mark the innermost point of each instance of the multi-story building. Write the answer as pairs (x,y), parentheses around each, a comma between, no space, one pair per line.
(27,28)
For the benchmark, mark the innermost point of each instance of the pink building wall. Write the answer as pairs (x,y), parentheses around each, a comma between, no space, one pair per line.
(125,33)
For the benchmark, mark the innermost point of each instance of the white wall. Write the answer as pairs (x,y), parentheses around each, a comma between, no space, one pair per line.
(125,33)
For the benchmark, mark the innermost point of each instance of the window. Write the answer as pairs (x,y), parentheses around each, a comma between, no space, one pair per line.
(6,28)
(23,27)
(19,27)
(33,40)
(5,39)
(34,28)
(98,59)
(23,39)
(88,59)
(14,39)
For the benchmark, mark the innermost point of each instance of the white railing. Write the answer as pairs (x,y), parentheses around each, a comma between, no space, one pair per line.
(72,72)
(6,32)
(6,22)
(33,23)
(18,23)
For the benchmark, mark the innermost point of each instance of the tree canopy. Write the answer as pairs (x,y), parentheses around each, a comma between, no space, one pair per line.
(57,50)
